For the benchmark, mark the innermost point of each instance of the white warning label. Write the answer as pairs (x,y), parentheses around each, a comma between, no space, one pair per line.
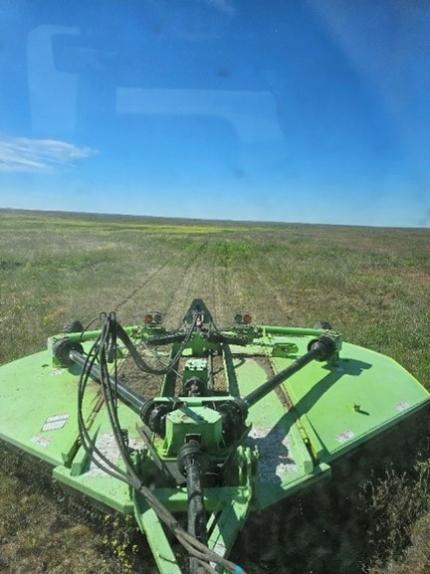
(55,422)
(402,406)
(345,436)
(40,441)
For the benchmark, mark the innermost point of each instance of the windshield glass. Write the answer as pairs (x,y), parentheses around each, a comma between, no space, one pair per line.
(214,286)
(311,112)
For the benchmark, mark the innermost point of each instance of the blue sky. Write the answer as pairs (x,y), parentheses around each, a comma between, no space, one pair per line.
(312,111)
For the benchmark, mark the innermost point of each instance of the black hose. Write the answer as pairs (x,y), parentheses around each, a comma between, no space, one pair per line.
(140,361)
(100,349)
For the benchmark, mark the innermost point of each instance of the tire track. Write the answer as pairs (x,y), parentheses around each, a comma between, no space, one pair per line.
(214,309)
(134,292)
(271,295)
(229,296)
(173,311)
(267,310)
(221,286)
(159,287)
(183,294)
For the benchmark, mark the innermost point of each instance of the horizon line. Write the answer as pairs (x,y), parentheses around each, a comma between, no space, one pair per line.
(208,220)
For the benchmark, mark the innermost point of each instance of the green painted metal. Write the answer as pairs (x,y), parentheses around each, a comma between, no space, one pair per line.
(269,330)
(195,368)
(38,408)
(359,396)
(285,462)
(228,524)
(151,526)
(296,433)
(197,420)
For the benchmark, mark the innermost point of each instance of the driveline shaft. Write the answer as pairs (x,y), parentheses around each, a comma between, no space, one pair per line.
(319,350)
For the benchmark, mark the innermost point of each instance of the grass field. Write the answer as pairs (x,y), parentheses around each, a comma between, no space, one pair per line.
(372,284)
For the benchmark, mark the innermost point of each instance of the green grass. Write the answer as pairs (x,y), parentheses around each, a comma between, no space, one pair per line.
(372,284)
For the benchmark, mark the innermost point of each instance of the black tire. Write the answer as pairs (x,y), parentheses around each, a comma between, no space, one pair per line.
(62,349)
(323,325)
(73,326)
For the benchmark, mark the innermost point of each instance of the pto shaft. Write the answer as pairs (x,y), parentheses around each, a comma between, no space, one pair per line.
(319,350)
(132,399)
(190,464)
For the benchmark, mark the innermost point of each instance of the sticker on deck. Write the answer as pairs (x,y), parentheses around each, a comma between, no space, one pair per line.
(40,441)
(55,422)
(221,549)
(402,406)
(345,436)
(107,445)
(57,371)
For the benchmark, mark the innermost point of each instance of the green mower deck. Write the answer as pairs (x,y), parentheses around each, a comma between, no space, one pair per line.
(287,439)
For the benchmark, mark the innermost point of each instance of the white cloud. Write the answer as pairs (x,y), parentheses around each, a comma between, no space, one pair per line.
(33,155)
